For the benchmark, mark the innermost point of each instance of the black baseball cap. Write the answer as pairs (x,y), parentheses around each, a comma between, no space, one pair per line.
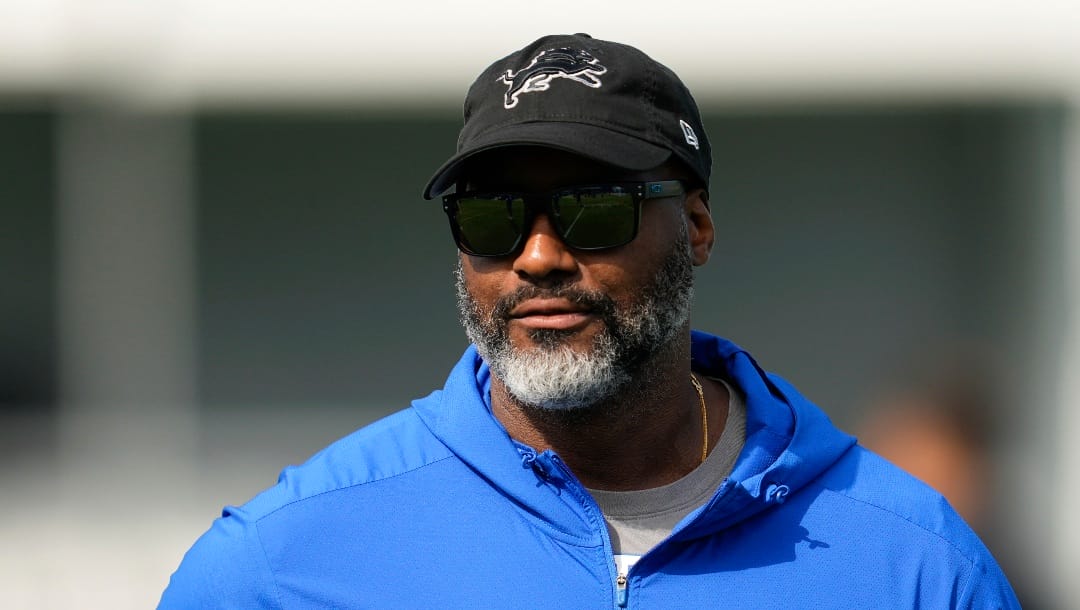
(602,100)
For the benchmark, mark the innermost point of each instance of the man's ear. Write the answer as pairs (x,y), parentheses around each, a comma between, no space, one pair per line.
(699,225)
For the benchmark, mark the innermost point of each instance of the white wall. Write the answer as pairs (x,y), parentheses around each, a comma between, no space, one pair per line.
(181,51)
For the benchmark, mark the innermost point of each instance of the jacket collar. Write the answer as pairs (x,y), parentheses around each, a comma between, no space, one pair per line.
(789,442)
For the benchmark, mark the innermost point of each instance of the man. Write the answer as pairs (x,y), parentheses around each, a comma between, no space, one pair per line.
(590,450)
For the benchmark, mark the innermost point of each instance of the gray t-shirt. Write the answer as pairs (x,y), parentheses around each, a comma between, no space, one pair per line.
(638,520)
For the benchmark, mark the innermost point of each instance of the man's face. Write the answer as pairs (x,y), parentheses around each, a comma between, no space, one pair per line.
(564,328)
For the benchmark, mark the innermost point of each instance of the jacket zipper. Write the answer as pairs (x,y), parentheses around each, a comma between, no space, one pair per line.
(622,593)
(622,581)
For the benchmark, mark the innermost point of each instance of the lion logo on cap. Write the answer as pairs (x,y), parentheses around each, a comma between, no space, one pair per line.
(574,64)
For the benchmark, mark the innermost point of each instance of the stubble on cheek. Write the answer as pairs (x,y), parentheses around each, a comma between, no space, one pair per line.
(494,322)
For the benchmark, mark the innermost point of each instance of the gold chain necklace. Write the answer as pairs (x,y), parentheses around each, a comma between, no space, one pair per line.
(704,418)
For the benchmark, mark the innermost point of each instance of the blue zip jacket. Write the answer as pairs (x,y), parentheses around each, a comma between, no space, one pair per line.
(437,507)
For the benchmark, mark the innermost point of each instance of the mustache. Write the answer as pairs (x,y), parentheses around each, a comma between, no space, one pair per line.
(595,301)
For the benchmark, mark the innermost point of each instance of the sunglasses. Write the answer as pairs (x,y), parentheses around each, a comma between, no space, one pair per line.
(593,217)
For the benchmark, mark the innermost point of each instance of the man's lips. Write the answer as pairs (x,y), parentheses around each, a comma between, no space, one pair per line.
(550,313)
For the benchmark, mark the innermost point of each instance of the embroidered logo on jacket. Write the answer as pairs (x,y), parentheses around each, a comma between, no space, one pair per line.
(574,64)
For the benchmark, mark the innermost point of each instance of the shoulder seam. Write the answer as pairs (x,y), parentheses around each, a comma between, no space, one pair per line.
(969,586)
(971,560)
(269,568)
(336,489)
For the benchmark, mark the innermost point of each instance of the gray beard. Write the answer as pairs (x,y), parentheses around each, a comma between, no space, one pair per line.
(553,376)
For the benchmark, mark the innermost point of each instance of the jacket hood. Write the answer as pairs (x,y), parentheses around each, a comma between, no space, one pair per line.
(789,442)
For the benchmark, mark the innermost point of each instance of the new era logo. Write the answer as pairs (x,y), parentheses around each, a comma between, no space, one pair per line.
(688,133)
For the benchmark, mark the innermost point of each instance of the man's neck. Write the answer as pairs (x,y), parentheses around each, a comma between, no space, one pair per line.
(649,435)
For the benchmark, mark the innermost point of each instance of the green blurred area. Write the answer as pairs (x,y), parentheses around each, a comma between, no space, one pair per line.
(849,239)
(28,353)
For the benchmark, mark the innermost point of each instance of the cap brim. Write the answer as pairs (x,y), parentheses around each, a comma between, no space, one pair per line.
(596,143)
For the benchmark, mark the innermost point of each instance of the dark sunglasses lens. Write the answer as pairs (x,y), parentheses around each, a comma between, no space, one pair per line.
(597,219)
(490,226)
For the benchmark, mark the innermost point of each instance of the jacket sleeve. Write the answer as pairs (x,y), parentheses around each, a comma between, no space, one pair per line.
(226,568)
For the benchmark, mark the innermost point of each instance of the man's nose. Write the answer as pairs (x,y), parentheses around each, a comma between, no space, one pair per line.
(544,252)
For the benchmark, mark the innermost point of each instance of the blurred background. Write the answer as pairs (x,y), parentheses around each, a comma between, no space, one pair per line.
(214,256)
